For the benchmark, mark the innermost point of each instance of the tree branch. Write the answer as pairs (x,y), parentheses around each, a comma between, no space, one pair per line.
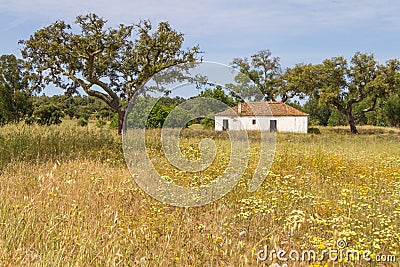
(338,106)
(372,107)
(86,88)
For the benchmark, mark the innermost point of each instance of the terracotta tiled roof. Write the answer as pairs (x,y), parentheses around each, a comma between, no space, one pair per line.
(262,109)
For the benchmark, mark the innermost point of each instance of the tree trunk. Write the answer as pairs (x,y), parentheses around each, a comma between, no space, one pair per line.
(121,117)
(352,123)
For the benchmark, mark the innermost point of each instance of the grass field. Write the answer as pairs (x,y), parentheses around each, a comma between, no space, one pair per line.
(68,199)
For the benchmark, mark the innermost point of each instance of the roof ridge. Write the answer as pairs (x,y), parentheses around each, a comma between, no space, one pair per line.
(258,108)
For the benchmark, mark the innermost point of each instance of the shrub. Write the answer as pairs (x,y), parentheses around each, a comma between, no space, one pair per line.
(114,122)
(314,130)
(100,123)
(82,122)
(48,114)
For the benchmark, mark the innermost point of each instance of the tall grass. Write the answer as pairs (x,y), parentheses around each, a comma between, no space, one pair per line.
(40,144)
(67,199)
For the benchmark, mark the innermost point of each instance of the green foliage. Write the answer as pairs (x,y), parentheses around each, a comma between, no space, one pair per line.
(294,82)
(160,109)
(114,122)
(178,118)
(296,104)
(219,94)
(117,60)
(263,70)
(70,111)
(157,116)
(77,106)
(312,130)
(29,120)
(48,114)
(337,118)
(106,114)
(137,116)
(208,123)
(319,112)
(216,93)
(346,85)
(84,116)
(339,91)
(100,123)
(392,110)
(82,122)
(15,104)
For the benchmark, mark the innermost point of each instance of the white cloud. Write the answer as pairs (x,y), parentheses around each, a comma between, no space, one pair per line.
(237,25)
(216,17)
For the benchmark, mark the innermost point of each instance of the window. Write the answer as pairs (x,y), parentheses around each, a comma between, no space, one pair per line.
(254,122)
(272,125)
(225,125)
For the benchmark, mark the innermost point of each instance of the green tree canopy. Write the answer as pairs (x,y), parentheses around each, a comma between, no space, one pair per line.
(343,85)
(48,114)
(14,101)
(391,110)
(219,94)
(295,82)
(263,70)
(111,64)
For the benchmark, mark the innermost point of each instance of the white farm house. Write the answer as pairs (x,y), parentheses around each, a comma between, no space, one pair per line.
(264,116)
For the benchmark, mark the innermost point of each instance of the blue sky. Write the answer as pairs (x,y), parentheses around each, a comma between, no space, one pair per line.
(297,31)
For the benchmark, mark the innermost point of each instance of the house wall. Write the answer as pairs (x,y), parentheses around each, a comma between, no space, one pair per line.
(298,124)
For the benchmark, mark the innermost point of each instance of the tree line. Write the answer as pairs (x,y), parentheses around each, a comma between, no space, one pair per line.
(336,89)
(111,65)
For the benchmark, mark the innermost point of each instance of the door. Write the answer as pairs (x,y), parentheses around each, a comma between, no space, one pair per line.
(272,126)
(225,125)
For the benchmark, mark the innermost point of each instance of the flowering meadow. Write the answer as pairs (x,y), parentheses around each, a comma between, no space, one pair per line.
(68,199)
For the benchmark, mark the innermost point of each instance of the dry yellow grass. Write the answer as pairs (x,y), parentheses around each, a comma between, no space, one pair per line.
(67,199)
